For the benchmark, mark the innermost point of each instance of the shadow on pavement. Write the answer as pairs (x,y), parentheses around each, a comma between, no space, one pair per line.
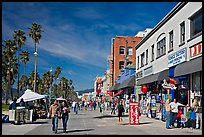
(78,130)
(109,116)
(145,123)
(37,122)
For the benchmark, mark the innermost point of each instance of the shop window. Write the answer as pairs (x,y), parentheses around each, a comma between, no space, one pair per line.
(196,85)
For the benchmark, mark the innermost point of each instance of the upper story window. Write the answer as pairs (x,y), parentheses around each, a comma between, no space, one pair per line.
(182,32)
(138,62)
(161,47)
(171,40)
(152,52)
(142,59)
(196,23)
(122,50)
(146,56)
(129,51)
(121,64)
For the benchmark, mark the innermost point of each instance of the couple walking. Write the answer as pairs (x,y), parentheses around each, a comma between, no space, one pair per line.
(56,111)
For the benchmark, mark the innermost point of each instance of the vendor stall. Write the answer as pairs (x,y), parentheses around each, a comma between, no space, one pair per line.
(27,113)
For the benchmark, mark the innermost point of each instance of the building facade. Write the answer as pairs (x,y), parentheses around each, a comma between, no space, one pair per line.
(173,51)
(122,54)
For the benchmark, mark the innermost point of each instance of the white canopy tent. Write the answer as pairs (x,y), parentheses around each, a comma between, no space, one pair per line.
(30,96)
(60,98)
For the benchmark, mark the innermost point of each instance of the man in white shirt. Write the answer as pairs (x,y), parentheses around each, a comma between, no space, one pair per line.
(174,110)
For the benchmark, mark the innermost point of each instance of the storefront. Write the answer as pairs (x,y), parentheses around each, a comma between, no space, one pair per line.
(152,94)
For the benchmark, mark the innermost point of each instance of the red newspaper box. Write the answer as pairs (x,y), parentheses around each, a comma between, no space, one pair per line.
(134,113)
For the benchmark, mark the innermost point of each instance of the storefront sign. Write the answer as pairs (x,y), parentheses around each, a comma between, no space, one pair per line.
(139,74)
(167,86)
(134,113)
(177,57)
(196,50)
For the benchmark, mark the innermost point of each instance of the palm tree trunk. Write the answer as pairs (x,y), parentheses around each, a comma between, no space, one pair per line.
(25,69)
(6,92)
(25,86)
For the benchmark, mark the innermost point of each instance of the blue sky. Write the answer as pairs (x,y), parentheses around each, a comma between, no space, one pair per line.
(77,35)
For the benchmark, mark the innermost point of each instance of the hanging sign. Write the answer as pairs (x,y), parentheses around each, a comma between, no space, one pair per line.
(167,86)
(134,113)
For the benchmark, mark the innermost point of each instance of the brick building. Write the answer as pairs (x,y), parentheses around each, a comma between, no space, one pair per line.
(122,53)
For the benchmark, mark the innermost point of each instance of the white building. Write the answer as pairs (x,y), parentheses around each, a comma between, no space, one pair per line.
(173,49)
(143,33)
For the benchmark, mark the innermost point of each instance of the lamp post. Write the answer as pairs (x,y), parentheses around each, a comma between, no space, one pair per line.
(51,85)
(35,75)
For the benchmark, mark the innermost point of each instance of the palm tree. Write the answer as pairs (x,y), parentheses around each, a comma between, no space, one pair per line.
(23,82)
(20,38)
(57,72)
(31,80)
(24,56)
(9,65)
(35,34)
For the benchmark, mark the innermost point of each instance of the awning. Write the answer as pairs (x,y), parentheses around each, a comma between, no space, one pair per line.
(130,82)
(189,67)
(154,77)
(114,87)
(120,91)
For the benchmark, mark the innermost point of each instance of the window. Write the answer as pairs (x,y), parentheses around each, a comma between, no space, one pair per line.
(171,40)
(161,47)
(138,62)
(122,50)
(182,37)
(196,23)
(142,59)
(129,51)
(121,64)
(153,52)
(146,56)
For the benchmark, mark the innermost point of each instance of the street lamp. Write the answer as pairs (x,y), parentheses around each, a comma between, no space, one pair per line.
(51,84)
(35,55)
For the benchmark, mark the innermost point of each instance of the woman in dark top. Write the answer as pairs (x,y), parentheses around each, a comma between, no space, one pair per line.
(65,115)
(121,110)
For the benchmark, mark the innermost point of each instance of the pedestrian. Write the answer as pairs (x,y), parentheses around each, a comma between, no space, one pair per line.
(94,104)
(178,116)
(189,118)
(167,113)
(76,108)
(55,114)
(112,108)
(102,107)
(193,119)
(121,111)
(22,103)
(65,115)
(174,111)
(13,105)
